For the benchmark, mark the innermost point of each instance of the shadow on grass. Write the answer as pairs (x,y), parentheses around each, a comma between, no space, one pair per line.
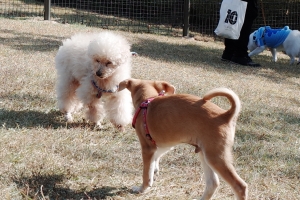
(49,186)
(197,55)
(30,119)
(35,119)
(29,42)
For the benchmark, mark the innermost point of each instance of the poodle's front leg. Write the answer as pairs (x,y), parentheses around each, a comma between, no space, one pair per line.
(95,112)
(66,98)
(87,94)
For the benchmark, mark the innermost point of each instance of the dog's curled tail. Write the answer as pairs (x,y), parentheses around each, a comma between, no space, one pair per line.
(230,95)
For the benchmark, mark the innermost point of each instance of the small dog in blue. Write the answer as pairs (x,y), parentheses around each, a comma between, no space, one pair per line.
(266,37)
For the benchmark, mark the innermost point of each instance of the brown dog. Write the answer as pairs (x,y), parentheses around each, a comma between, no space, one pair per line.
(165,121)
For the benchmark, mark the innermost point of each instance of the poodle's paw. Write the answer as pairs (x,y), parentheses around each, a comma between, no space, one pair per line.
(98,125)
(139,189)
(68,117)
(117,126)
(120,128)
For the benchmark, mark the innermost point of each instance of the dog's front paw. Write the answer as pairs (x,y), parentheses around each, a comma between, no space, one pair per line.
(139,189)
(68,117)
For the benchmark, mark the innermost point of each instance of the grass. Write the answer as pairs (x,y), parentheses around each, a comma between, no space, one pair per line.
(42,157)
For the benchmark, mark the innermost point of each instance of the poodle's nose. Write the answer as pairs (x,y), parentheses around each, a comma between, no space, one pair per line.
(99,73)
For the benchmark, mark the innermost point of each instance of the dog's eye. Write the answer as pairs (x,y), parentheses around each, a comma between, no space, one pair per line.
(108,63)
(98,61)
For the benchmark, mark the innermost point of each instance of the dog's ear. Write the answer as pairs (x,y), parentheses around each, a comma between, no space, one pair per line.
(168,88)
(124,84)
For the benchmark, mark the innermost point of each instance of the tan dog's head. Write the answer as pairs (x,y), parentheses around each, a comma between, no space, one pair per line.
(144,89)
(108,52)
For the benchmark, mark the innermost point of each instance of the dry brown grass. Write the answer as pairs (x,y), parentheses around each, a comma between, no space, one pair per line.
(42,157)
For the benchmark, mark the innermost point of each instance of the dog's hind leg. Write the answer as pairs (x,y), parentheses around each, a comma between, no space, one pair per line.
(292,59)
(224,167)
(158,154)
(211,179)
(291,53)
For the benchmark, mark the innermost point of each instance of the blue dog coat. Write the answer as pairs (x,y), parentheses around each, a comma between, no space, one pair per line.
(270,37)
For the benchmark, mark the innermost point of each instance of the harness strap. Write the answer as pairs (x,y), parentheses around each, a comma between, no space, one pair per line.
(144,106)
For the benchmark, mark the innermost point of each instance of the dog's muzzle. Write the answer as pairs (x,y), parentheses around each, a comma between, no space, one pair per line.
(99,74)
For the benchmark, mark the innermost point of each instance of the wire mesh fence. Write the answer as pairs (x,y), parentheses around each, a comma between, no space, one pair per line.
(152,16)
(19,8)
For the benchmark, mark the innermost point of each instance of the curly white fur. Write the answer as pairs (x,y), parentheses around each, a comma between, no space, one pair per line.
(103,57)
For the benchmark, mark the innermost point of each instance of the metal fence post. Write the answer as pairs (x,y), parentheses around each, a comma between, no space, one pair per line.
(186,21)
(47,8)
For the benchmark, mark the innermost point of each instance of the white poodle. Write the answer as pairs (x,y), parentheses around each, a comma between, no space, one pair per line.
(89,69)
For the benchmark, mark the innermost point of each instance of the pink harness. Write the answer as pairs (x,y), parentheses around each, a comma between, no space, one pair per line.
(144,106)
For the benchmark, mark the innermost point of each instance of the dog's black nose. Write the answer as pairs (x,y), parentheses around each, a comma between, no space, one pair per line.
(99,73)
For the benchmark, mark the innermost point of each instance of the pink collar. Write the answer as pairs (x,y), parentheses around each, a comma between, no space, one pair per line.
(144,106)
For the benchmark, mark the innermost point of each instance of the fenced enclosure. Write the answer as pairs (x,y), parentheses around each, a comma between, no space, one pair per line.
(165,17)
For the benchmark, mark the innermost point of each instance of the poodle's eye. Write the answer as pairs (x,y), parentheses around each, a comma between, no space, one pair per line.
(108,63)
(98,61)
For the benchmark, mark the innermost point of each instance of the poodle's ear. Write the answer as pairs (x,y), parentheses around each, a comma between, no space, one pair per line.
(167,87)
(125,84)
